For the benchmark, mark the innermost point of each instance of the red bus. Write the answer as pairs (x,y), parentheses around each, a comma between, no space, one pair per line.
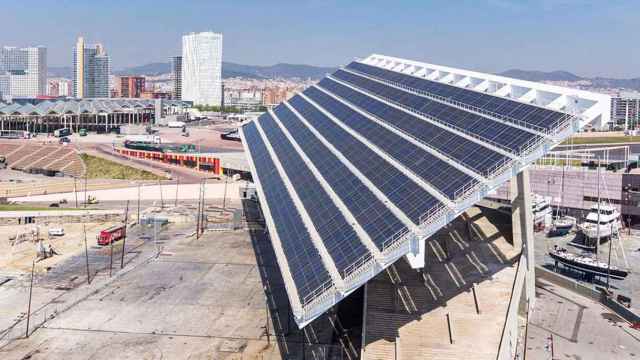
(111,234)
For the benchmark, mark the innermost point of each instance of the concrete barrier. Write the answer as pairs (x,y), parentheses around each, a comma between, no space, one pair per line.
(596,294)
(510,332)
(59,217)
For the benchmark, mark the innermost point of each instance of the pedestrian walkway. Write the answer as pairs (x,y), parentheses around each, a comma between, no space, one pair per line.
(577,328)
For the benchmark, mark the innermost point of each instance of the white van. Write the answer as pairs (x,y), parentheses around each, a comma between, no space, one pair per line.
(56,231)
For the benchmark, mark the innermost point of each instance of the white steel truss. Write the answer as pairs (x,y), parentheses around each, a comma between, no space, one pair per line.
(590,108)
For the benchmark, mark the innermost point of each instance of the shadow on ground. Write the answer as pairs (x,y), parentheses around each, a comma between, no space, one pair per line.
(335,335)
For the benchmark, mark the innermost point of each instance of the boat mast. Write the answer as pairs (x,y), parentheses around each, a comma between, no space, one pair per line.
(561,192)
(609,261)
(598,225)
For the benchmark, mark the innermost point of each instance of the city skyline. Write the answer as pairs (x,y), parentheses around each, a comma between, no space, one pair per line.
(542,35)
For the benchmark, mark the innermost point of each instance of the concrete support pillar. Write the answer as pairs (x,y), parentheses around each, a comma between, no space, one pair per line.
(522,228)
(417,258)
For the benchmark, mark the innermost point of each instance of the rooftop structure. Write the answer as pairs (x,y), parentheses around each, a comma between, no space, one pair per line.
(100,115)
(84,106)
(358,170)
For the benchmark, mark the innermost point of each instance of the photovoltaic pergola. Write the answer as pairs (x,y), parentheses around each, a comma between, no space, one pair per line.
(358,170)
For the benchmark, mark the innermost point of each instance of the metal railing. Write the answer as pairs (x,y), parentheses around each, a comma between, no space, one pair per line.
(562,123)
(467,188)
(433,214)
(498,168)
(359,266)
(324,290)
(394,241)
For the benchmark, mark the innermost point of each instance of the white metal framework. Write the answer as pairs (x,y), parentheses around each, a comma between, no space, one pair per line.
(592,108)
(579,107)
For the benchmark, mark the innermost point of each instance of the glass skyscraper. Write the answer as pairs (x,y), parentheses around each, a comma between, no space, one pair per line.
(176,76)
(202,68)
(92,68)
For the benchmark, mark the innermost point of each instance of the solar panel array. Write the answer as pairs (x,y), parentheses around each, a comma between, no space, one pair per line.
(354,170)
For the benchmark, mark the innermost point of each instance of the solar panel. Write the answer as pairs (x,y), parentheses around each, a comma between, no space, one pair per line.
(432,169)
(337,234)
(356,170)
(302,259)
(402,191)
(509,137)
(473,155)
(373,215)
(537,116)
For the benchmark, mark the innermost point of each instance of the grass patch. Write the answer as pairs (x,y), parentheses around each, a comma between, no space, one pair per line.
(99,168)
(20,207)
(559,162)
(601,140)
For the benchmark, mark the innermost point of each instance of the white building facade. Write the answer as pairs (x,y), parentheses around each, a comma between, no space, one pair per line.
(202,68)
(23,72)
(625,110)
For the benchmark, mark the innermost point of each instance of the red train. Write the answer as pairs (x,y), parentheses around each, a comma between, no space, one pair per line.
(112,234)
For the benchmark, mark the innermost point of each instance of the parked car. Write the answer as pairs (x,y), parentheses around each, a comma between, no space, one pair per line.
(64,140)
(56,231)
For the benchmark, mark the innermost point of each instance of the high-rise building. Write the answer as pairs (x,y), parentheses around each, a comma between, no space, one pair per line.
(23,72)
(92,68)
(625,110)
(202,68)
(176,76)
(59,87)
(131,86)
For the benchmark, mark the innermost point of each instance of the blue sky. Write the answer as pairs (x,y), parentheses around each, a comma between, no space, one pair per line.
(586,37)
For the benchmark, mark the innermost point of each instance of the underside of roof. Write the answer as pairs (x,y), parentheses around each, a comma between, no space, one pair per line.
(354,172)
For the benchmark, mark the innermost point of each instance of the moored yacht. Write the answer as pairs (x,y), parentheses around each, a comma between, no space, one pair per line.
(609,222)
(586,264)
(541,209)
(562,225)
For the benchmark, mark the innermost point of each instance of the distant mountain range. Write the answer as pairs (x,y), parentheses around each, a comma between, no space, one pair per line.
(533,75)
(287,71)
(596,82)
(60,72)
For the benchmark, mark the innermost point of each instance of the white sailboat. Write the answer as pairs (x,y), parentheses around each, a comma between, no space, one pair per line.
(562,224)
